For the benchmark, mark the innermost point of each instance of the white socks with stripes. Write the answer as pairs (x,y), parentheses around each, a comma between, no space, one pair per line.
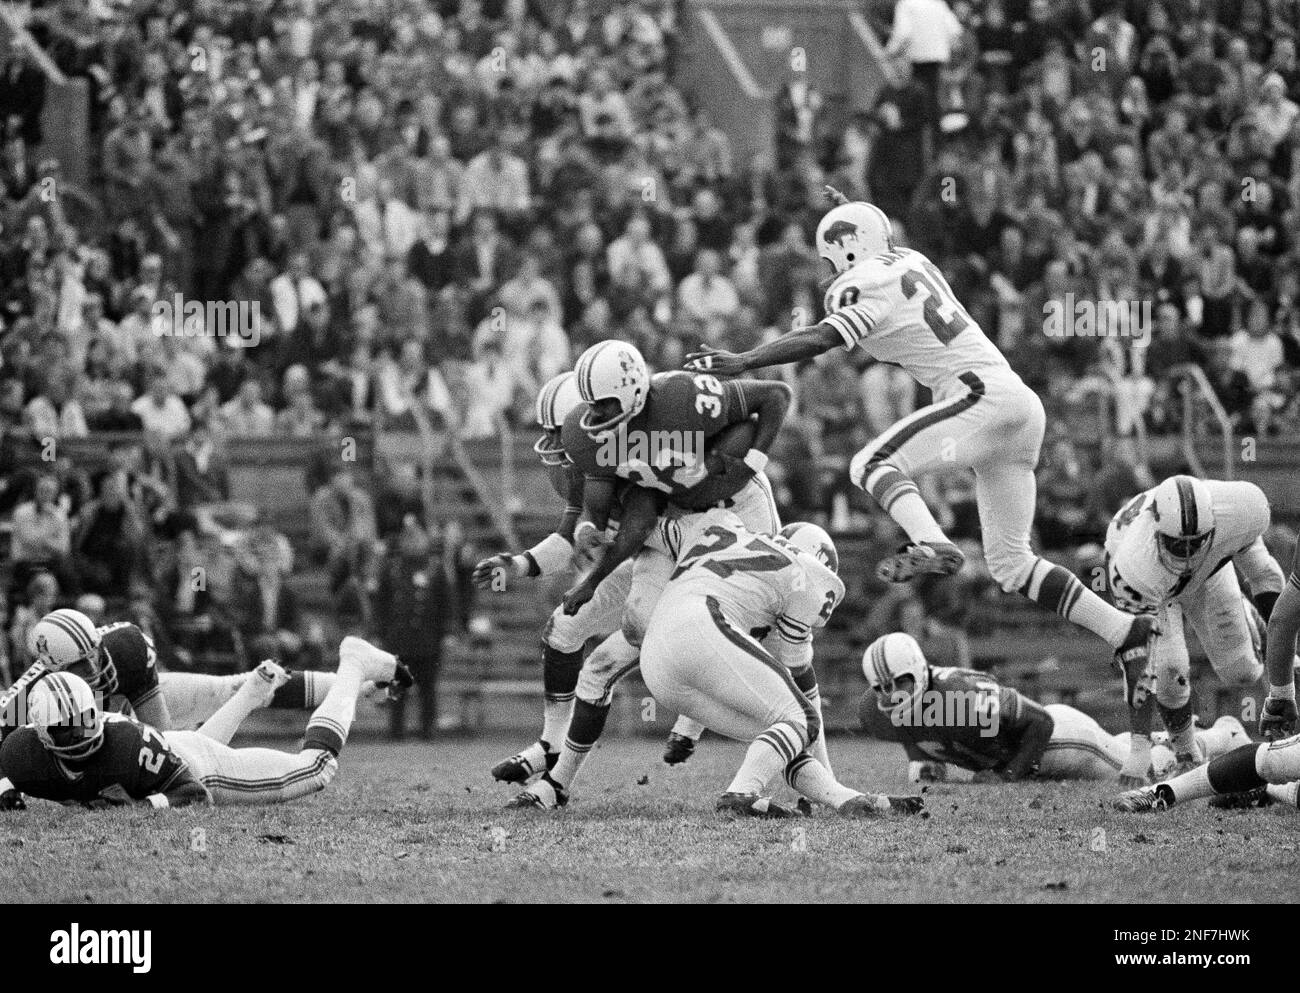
(900,499)
(812,779)
(329,726)
(769,753)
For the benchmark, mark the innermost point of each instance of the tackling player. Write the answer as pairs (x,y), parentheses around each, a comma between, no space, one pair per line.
(959,717)
(648,446)
(703,657)
(895,304)
(1171,552)
(70,751)
(565,634)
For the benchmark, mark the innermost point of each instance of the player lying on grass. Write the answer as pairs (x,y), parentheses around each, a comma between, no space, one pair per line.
(1171,552)
(895,304)
(648,446)
(564,635)
(71,751)
(965,719)
(703,655)
(119,663)
(1252,773)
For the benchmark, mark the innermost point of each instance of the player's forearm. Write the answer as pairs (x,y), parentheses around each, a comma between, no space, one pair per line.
(797,346)
(640,511)
(771,402)
(1283,626)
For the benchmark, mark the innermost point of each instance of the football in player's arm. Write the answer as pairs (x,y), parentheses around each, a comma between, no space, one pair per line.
(1280,717)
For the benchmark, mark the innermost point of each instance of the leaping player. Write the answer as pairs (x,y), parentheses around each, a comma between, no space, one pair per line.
(895,304)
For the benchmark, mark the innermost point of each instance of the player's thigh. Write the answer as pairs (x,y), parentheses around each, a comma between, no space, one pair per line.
(650,571)
(253,776)
(600,615)
(192,697)
(611,660)
(1080,748)
(1224,624)
(941,433)
(755,505)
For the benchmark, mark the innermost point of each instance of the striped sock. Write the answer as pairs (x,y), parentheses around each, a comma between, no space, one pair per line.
(900,499)
(559,678)
(688,728)
(584,731)
(1182,732)
(1284,794)
(768,754)
(806,680)
(305,690)
(812,779)
(329,725)
(1059,589)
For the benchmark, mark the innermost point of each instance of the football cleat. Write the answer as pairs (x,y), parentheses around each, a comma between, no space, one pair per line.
(525,765)
(12,800)
(678,748)
(1147,800)
(1133,658)
(402,681)
(750,805)
(268,677)
(545,794)
(1258,797)
(939,558)
(906,804)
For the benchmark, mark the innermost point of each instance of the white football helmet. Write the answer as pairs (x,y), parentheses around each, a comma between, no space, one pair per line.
(61,708)
(554,403)
(1184,515)
(611,371)
(852,232)
(814,540)
(62,638)
(889,659)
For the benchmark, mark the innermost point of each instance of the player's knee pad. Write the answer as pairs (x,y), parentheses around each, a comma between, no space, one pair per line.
(1242,668)
(1279,762)
(1173,685)
(565,632)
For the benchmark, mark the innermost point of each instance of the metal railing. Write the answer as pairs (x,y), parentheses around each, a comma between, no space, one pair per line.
(1193,382)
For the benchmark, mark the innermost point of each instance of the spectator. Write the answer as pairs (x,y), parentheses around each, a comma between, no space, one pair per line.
(924,33)
(108,539)
(42,537)
(160,410)
(42,597)
(343,529)
(246,415)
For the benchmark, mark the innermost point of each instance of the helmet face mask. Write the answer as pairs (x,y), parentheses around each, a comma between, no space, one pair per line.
(1183,555)
(614,382)
(555,401)
(1184,531)
(897,670)
(68,722)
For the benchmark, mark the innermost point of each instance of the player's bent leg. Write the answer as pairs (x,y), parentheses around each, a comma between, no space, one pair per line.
(1229,628)
(255,692)
(253,776)
(193,697)
(1080,748)
(650,571)
(1172,667)
(1241,770)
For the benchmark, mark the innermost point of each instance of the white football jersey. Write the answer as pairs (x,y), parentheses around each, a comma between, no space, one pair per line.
(1140,583)
(764,585)
(898,308)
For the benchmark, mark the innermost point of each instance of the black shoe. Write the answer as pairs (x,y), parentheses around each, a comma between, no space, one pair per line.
(678,749)
(402,681)
(1133,658)
(748,805)
(939,558)
(1258,797)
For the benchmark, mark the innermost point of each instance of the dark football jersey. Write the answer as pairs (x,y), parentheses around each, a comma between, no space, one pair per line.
(964,717)
(133,756)
(663,447)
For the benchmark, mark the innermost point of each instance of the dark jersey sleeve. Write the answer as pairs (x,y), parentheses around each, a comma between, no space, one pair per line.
(1293,579)
(133,656)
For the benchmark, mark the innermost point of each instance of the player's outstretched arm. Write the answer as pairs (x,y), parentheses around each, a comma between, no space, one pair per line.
(797,346)
(640,511)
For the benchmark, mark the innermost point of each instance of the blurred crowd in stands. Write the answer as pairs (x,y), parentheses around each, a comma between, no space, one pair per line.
(437,204)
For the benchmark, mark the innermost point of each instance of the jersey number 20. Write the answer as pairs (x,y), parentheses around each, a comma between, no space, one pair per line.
(938,297)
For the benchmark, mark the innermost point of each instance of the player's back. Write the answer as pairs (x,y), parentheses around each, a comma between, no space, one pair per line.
(131,655)
(898,307)
(133,756)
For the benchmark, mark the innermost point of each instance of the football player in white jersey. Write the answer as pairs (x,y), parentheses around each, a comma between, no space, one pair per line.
(895,304)
(1171,551)
(703,656)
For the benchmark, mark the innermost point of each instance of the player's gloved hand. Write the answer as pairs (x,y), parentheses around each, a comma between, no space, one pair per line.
(577,596)
(588,543)
(113,795)
(1278,719)
(712,360)
(487,571)
(12,800)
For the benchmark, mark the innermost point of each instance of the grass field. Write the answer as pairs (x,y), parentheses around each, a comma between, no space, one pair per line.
(424,823)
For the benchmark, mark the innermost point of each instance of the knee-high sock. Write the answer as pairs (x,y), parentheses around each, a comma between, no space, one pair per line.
(812,779)
(1235,772)
(1286,793)
(1058,589)
(329,726)
(305,690)
(584,731)
(688,727)
(1182,731)
(900,499)
(559,678)
(222,725)
(806,680)
(768,754)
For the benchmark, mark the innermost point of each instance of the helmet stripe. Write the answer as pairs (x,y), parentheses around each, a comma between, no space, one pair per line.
(1187,506)
(73,631)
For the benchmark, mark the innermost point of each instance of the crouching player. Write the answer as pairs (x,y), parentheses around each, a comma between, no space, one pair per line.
(1256,774)
(71,751)
(703,657)
(1171,551)
(959,717)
